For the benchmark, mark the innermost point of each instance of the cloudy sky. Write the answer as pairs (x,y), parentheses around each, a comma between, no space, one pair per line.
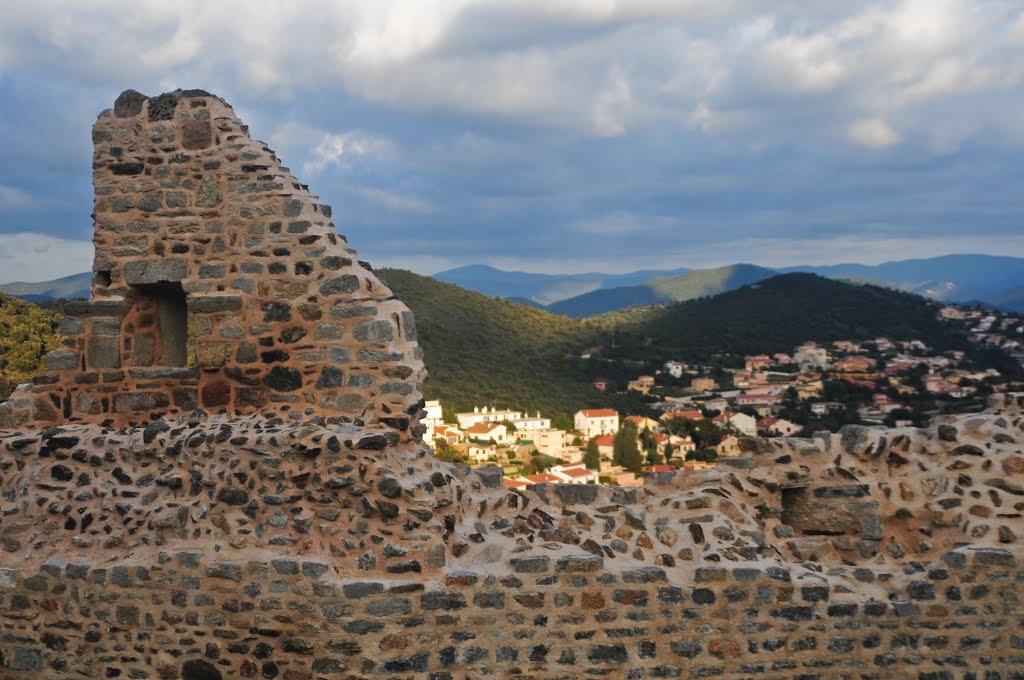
(554,135)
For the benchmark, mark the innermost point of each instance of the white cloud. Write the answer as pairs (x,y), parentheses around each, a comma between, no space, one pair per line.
(35,257)
(873,133)
(611,104)
(13,198)
(335,148)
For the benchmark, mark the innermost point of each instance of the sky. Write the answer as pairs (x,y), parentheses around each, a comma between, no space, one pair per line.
(554,135)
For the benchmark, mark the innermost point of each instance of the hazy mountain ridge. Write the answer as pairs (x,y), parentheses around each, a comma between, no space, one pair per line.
(76,285)
(983,279)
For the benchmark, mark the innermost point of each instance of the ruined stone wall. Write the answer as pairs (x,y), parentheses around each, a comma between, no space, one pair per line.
(209,547)
(184,615)
(219,283)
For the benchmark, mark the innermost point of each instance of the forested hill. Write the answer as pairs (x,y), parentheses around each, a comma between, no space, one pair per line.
(485,350)
(774,316)
(27,333)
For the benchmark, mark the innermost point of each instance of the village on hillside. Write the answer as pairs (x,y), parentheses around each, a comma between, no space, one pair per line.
(703,411)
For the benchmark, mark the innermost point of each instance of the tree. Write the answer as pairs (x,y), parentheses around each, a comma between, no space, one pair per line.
(669,450)
(538,463)
(592,458)
(563,422)
(626,452)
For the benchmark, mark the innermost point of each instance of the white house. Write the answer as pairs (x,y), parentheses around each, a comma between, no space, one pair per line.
(528,424)
(481,454)
(741,422)
(675,368)
(574,474)
(810,355)
(485,431)
(595,422)
(485,415)
(431,419)
(779,426)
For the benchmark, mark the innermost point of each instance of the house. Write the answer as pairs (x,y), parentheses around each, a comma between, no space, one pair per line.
(485,415)
(675,368)
(528,424)
(823,407)
(600,384)
(680,445)
(728,447)
(626,479)
(542,478)
(432,418)
(855,364)
(481,454)
(783,359)
(449,433)
(550,442)
(571,455)
(515,483)
(596,421)
(574,474)
(718,404)
(643,384)
(685,415)
(779,426)
(606,445)
(656,469)
(810,355)
(642,423)
(741,378)
(703,385)
(740,422)
(495,432)
(757,362)
(755,398)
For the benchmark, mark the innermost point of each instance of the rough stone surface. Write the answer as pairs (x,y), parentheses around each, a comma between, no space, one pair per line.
(185,200)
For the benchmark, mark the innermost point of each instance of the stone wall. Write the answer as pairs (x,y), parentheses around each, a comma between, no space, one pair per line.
(219,283)
(187,616)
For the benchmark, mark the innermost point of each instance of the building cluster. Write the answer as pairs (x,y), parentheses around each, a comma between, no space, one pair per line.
(531,451)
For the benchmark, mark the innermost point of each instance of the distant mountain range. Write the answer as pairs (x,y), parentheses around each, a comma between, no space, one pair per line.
(983,279)
(989,280)
(76,285)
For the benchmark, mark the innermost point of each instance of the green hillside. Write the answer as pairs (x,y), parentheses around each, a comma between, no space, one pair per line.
(705,282)
(483,350)
(27,333)
(774,316)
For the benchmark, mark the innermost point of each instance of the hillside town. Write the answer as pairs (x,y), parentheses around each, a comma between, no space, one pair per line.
(697,414)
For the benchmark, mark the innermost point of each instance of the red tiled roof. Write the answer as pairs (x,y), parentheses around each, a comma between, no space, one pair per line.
(599,412)
(606,440)
(689,415)
(483,428)
(578,471)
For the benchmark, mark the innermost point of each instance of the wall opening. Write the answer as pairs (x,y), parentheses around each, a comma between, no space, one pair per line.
(793,501)
(170,316)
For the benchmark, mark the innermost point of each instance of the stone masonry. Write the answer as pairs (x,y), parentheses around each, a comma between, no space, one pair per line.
(219,283)
(266,510)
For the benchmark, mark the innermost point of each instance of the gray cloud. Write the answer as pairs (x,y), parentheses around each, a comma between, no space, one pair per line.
(569,134)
